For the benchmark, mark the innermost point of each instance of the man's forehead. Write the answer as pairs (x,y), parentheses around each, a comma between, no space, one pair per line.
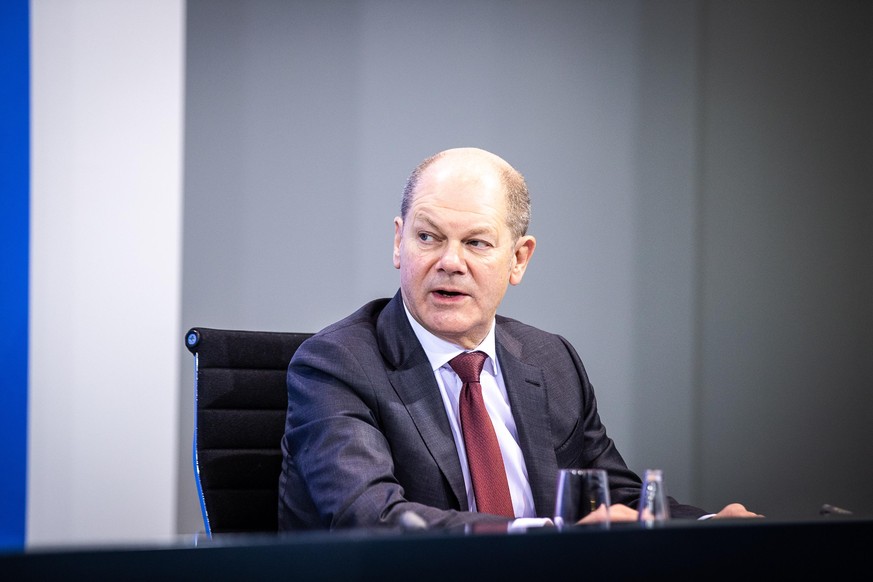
(471,180)
(439,216)
(462,220)
(460,194)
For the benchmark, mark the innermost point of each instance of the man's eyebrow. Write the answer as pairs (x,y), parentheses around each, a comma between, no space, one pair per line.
(481,231)
(419,217)
(473,232)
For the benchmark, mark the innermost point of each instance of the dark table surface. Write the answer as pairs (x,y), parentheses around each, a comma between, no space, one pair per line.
(836,547)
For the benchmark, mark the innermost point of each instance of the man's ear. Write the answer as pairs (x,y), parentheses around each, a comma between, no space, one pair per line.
(398,233)
(524,250)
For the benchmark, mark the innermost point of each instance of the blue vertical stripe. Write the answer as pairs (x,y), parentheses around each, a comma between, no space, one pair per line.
(14,250)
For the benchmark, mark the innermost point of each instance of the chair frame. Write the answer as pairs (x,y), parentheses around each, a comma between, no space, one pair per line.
(240,400)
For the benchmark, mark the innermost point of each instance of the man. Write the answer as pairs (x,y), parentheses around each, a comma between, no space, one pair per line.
(375,426)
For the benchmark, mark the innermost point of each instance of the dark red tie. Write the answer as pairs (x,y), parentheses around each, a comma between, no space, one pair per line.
(483,453)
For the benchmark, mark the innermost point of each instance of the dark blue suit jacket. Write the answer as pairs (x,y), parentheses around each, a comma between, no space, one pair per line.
(367,437)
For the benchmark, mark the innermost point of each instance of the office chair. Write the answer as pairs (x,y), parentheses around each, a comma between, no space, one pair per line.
(240,400)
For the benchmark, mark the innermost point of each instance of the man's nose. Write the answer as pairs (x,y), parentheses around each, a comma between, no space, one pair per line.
(452,258)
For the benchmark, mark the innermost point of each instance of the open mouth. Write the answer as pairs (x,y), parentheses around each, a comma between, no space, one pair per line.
(448,293)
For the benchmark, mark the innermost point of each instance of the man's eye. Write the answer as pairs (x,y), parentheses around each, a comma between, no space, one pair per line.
(424,237)
(480,244)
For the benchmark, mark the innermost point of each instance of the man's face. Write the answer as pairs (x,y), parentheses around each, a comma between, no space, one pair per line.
(455,253)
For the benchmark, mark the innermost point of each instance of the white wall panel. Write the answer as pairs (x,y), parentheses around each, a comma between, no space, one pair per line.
(105,255)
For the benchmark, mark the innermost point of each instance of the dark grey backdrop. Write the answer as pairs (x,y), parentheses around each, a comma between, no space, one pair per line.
(701,178)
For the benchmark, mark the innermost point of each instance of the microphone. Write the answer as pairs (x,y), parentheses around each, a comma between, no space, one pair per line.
(828,509)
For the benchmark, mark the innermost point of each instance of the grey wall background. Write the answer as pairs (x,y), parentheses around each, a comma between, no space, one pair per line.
(701,180)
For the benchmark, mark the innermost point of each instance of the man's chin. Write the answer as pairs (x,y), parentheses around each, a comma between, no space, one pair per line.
(458,334)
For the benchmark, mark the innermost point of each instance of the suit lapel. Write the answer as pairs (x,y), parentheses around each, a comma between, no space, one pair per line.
(412,378)
(530,409)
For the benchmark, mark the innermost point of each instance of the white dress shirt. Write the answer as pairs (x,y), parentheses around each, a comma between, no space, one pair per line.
(439,352)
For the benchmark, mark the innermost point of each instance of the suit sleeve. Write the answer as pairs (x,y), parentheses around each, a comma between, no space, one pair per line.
(338,469)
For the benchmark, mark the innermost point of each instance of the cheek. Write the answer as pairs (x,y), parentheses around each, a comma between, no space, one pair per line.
(416,264)
(495,284)
(410,269)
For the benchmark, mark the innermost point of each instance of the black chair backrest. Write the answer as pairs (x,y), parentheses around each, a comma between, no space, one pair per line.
(240,400)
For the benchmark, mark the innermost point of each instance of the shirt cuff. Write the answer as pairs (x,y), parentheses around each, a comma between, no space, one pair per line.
(522,524)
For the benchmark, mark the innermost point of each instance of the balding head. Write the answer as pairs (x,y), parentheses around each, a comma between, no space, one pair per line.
(485,165)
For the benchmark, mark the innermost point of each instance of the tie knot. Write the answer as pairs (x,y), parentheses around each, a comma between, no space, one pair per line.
(468,365)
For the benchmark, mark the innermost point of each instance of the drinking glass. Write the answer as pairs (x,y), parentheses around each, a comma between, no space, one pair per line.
(653,509)
(580,493)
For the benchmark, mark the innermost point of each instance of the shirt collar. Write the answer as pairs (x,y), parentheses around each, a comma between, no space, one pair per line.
(440,351)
